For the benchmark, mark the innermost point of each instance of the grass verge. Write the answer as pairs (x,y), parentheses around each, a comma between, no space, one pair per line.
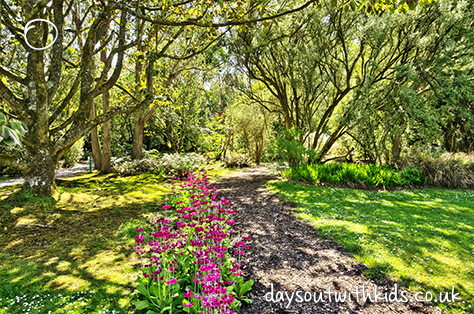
(422,237)
(73,253)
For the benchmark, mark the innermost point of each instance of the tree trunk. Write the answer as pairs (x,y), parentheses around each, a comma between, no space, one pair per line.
(396,147)
(95,143)
(105,166)
(138,120)
(138,126)
(39,174)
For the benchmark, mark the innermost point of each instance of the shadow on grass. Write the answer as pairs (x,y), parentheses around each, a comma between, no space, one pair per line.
(424,237)
(80,239)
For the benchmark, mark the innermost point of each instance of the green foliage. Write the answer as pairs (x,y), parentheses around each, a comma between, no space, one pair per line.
(250,128)
(442,169)
(423,237)
(11,131)
(177,164)
(127,167)
(77,265)
(188,263)
(74,154)
(169,164)
(236,160)
(371,176)
(286,146)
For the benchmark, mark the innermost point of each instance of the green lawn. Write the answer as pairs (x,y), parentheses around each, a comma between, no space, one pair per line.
(86,263)
(423,237)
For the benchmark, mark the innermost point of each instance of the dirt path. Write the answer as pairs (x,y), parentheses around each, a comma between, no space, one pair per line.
(290,255)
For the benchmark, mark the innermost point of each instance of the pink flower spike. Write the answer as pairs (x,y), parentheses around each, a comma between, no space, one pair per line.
(171,281)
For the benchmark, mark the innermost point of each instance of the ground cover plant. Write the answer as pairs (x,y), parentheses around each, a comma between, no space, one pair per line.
(187,260)
(371,176)
(423,237)
(71,254)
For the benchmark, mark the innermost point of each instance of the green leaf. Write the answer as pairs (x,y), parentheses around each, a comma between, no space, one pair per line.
(9,143)
(144,304)
(14,136)
(18,126)
(165,309)
(151,312)
(246,287)
(3,119)
(247,300)
(142,289)
(3,131)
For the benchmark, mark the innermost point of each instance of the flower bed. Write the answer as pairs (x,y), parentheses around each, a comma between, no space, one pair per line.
(187,261)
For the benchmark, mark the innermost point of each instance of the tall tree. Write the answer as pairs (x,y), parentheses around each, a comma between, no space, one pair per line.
(38,85)
(318,65)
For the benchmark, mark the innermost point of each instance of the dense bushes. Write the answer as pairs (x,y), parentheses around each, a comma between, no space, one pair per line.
(371,176)
(188,263)
(442,169)
(176,163)
(236,160)
(287,146)
(126,167)
(170,164)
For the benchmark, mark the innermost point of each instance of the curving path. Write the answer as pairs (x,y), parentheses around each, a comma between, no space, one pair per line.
(60,173)
(290,255)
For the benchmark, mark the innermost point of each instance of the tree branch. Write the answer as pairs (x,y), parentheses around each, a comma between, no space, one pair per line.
(12,161)
(195,22)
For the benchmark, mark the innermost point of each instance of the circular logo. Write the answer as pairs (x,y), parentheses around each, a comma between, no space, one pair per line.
(28,27)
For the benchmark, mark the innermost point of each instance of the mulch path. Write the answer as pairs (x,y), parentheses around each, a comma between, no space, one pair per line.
(291,255)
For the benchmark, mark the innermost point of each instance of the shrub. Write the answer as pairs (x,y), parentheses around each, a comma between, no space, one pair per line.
(74,154)
(171,164)
(371,176)
(186,261)
(176,164)
(287,147)
(126,167)
(442,169)
(236,160)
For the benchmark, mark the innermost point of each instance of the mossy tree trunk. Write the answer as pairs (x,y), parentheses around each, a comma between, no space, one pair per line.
(56,120)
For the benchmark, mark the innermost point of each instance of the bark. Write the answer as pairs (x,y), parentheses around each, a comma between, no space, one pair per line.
(138,121)
(15,162)
(39,174)
(396,147)
(95,142)
(105,166)
(138,126)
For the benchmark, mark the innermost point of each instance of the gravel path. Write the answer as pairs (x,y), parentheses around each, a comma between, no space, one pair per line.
(60,173)
(290,255)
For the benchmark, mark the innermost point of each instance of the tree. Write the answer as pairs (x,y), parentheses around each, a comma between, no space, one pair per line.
(321,68)
(38,86)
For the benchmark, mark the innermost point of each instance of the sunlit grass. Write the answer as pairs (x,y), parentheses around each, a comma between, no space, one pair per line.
(423,237)
(73,253)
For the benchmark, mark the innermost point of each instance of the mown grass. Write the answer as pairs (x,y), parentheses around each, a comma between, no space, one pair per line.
(371,176)
(81,260)
(423,237)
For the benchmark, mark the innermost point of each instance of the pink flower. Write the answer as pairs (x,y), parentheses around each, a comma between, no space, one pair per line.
(139,239)
(171,281)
